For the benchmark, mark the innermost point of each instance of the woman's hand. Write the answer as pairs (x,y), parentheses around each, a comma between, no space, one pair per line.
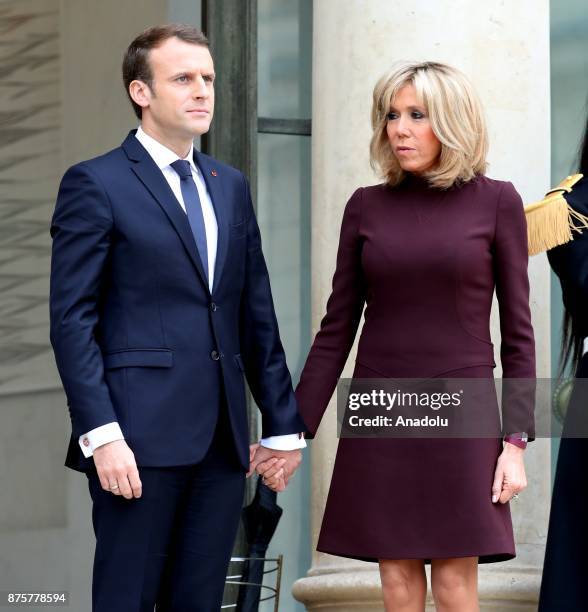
(509,477)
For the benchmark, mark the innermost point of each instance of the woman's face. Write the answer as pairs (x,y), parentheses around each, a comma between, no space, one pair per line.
(411,137)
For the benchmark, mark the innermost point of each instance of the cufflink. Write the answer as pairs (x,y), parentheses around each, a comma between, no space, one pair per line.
(86,442)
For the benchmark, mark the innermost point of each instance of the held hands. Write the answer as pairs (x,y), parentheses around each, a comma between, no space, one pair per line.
(274,466)
(117,469)
(509,476)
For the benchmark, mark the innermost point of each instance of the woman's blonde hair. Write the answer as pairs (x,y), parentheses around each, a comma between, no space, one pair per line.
(456,117)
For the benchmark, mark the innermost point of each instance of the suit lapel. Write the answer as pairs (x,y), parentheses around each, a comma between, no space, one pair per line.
(151,176)
(214,183)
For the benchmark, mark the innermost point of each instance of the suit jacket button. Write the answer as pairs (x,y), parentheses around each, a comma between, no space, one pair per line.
(215,355)
(213,307)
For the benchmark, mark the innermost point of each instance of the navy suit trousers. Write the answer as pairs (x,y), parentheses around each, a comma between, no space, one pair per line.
(171,547)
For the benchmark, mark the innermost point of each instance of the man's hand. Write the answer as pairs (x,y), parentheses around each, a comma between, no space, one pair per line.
(117,469)
(275,466)
(509,477)
(273,476)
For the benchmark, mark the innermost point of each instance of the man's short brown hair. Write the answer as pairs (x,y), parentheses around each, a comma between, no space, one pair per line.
(136,66)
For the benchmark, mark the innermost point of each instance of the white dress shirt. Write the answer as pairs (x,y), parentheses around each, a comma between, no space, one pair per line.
(164,157)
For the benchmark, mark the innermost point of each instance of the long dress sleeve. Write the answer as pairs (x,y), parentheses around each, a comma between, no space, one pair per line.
(338,328)
(517,349)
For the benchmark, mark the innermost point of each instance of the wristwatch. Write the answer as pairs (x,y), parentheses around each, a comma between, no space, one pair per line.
(518,439)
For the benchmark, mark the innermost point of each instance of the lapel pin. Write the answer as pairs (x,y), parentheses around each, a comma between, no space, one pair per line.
(213,172)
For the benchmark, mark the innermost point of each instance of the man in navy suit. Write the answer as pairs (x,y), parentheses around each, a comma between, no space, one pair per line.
(160,305)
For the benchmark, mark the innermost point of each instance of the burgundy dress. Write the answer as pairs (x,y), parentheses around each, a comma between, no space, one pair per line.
(425,263)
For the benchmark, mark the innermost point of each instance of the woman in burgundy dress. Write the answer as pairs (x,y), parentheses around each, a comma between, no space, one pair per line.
(423,252)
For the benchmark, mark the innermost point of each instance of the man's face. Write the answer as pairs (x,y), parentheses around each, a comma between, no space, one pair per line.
(181,102)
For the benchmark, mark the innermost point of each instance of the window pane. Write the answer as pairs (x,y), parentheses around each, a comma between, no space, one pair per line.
(284,58)
(569,83)
(569,94)
(283,212)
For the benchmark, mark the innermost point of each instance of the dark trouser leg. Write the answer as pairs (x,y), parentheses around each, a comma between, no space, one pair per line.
(173,544)
(563,586)
(132,540)
(205,530)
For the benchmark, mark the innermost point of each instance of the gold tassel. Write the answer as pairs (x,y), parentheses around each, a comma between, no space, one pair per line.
(552,221)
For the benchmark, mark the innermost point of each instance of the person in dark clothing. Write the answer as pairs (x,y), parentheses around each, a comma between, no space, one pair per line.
(563,586)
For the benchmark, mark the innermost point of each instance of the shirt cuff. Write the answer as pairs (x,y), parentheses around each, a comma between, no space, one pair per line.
(104,434)
(287,442)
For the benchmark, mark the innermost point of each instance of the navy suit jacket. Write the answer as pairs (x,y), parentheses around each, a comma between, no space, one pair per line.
(137,335)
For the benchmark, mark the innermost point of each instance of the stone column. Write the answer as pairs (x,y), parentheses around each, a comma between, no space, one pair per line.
(504,48)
